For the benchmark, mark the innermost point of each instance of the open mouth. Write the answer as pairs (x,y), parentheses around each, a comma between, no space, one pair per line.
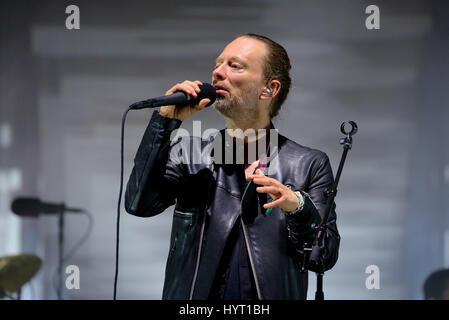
(220,90)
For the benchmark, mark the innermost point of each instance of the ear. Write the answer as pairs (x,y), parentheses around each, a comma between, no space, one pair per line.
(271,90)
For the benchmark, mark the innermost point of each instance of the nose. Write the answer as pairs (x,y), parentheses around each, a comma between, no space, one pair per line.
(219,73)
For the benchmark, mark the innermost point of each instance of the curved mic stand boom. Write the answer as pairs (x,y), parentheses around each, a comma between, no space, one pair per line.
(315,260)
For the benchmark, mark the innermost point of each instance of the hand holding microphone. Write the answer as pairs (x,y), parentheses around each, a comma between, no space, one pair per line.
(193,89)
(182,100)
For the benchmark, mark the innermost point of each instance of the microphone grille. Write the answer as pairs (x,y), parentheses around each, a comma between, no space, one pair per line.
(207,91)
(28,207)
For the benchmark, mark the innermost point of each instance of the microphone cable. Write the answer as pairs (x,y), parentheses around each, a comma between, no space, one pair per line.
(122,144)
(207,91)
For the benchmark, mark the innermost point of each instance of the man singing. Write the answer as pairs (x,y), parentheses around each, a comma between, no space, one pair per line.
(239,226)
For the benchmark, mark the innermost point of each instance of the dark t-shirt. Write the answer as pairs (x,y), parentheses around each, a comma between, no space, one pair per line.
(234,280)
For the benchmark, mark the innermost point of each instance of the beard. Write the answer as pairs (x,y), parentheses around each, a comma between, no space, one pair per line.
(243,106)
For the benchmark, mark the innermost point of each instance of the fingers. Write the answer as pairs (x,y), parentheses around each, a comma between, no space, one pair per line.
(274,203)
(189,87)
(252,167)
(271,189)
(257,173)
(254,164)
(263,180)
(203,103)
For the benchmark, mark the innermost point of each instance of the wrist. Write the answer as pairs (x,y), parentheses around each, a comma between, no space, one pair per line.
(300,204)
(168,112)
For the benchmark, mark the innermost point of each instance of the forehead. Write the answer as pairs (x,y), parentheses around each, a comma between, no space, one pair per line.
(249,50)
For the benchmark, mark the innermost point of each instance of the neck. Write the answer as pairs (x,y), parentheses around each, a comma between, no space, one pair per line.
(248,129)
(247,135)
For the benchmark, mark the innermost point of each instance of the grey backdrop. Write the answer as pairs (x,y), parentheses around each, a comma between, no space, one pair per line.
(63,92)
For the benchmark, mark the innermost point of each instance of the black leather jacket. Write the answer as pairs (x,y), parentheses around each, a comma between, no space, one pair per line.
(208,202)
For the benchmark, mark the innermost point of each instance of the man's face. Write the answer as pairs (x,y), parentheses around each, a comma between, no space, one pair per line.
(238,76)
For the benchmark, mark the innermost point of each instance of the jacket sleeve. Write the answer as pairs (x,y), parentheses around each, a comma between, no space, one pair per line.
(154,180)
(300,224)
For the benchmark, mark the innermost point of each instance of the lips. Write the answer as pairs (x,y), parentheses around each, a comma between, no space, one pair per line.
(220,89)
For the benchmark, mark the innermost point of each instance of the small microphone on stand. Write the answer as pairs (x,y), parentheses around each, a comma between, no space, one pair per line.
(32,207)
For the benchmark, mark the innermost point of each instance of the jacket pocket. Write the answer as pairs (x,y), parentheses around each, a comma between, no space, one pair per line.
(182,224)
(180,259)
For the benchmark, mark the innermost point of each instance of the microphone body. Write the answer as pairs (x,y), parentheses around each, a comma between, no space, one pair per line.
(32,207)
(179,99)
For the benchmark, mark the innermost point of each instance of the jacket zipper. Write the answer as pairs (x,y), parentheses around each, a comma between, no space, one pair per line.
(200,245)
(251,261)
(248,248)
(173,248)
(197,264)
(188,215)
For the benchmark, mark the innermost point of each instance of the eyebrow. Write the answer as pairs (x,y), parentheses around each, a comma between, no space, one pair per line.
(236,59)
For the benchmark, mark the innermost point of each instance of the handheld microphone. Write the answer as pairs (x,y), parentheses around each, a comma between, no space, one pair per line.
(179,99)
(32,207)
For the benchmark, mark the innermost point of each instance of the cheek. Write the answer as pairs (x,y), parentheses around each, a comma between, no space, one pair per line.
(244,84)
(235,81)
